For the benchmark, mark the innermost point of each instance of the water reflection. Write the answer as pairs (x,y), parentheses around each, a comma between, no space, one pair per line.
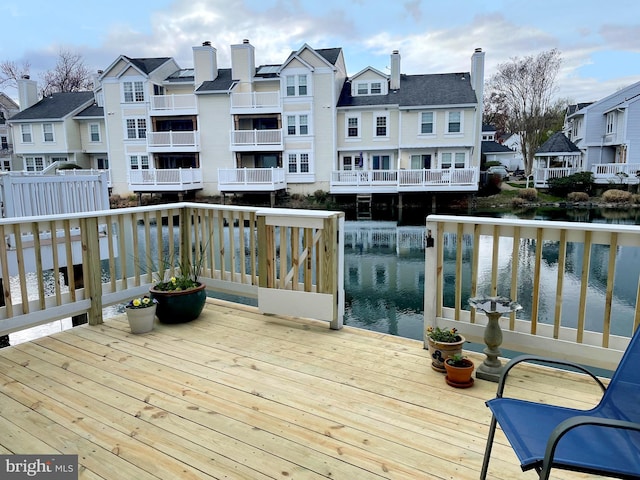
(384,275)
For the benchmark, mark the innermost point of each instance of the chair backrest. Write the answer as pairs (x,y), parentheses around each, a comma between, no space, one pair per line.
(622,398)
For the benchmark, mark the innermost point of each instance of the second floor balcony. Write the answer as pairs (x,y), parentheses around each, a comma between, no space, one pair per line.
(265,140)
(251,179)
(165,180)
(173,141)
(398,181)
(255,102)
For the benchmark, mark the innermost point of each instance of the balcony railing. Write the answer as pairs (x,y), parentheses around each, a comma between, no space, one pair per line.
(79,172)
(289,260)
(181,141)
(542,176)
(258,101)
(495,256)
(176,104)
(623,173)
(251,179)
(165,180)
(250,139)
(395,181)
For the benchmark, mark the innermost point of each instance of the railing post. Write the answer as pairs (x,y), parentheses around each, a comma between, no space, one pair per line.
(92,272)
(431,283)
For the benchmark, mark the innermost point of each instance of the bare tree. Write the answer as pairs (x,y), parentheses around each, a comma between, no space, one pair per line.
(527,86)
(69,75)
(11,72)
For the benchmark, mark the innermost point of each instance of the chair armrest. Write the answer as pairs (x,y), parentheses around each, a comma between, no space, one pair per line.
(546,360)
(574,422)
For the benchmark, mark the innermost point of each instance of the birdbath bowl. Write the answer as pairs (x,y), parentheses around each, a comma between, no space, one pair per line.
(494,308)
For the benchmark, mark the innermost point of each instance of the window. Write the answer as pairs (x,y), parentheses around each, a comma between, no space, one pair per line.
(4,143)
(460,160)
(352,127)
(34,164)
(455,159)
(419,162)
(426,123)
(25,130)
(454,124)
(381,125)
(381,162)
(347,163)
(47,132)
(611,123)
(297,125)
(139,163)
(103,163)
(376,88)
(296,85)
(368,88)
(299,163)
(133,92)
(94,132)
(445,160)
(136,128)
(363,88)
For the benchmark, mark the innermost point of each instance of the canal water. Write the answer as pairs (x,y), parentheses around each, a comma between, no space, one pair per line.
(384,274)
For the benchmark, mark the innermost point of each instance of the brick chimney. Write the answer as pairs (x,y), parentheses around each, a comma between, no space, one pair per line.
(205,63)
(394,83)
(243,62)
(27,92)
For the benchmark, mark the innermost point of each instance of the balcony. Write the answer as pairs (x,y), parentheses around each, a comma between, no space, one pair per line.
(263,140)
(620,173)
(159,142)
(255,102)
(251,179)
(173,105)
(403,181)
(165,180)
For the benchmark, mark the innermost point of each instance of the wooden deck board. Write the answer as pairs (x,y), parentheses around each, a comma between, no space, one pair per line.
(236,394)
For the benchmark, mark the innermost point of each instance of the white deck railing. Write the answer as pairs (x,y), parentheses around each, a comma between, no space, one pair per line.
(506,254)
(353,181)
(169,179)
(251,179)
(290,260)
(622,173)
(173,140)
(255,100)
(256,138)
(541,176)
(177,103)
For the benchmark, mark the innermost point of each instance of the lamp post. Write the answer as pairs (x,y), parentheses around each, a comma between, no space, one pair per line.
(494,308)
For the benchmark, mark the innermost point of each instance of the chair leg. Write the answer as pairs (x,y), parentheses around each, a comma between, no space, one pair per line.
(487,452)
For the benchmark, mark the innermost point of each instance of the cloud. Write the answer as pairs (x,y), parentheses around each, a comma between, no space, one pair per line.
(618,36)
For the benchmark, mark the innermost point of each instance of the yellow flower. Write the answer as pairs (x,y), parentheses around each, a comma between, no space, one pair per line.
(173,280)
(136,302)
(146,300)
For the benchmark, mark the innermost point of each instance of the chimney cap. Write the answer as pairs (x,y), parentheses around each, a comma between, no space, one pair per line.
(395,52)
(478,50)
(206,43)
(25,77)
(245,41)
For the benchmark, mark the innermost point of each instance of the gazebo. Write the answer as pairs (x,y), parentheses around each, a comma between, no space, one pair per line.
(557,157)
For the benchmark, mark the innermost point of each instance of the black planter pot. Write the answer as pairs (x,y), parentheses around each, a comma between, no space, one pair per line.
(179,306)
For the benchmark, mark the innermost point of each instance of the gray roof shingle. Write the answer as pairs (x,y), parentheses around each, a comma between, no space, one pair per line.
(494,147)
(148,65)
(418,90)
(55,107)
(222,83)
(557,143)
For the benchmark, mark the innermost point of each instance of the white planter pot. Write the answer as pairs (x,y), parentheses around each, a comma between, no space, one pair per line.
(141,319)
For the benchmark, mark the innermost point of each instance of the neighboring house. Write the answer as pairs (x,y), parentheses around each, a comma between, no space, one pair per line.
(556,158)
(607,132)
(299,126)
(8,108)
(63,128)
(514,143)
(495,152)
(489,133)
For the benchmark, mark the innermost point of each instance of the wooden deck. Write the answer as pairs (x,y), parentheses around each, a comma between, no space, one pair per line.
(236,394)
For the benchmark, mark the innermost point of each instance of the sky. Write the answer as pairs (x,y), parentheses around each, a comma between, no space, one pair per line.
(599,41)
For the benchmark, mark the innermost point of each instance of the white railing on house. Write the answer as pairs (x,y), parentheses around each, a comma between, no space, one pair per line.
(251,179)
(186,141)
(33,195)
(169,179)
(541,176)
(255,100)
(505,253)
(622,173)
(397,181)
(289,260)
(255,138)
(180,104)
(77,172)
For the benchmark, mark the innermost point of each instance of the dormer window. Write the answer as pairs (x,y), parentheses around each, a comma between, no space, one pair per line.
(369,87)
(611,123)
(376,88)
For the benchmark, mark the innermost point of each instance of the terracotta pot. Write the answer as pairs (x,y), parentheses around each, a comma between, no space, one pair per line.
(459,376)
(179,306)
(440,351)
(141,319)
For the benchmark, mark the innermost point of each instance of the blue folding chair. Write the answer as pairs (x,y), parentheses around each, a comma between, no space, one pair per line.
(604,440)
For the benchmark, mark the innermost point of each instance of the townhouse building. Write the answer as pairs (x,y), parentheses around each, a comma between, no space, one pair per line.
(299,126)
(8,108)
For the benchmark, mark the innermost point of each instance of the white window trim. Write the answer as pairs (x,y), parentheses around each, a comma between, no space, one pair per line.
(461,132)
(384,87)
(138,162)
(137,128)
(377,115)
(357,116)
(91,140)
(31,161)
(610,125)
(453,158)
(23,129)
(433,123)
(296,117)
(133,92)
(299,177)
(296,74)
(44,134)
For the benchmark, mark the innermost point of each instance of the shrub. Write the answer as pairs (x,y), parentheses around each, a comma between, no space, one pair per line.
(635,198)
(530,194)
(578,182)
(519,202)
(578,197)
(616,196)
(320,196)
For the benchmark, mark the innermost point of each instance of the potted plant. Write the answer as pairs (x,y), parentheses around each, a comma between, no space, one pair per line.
(459,370)
(443,343)
(180,297)
(141,312)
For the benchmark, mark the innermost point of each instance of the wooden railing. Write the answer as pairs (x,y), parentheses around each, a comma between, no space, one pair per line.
(529,261)
(290,260)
